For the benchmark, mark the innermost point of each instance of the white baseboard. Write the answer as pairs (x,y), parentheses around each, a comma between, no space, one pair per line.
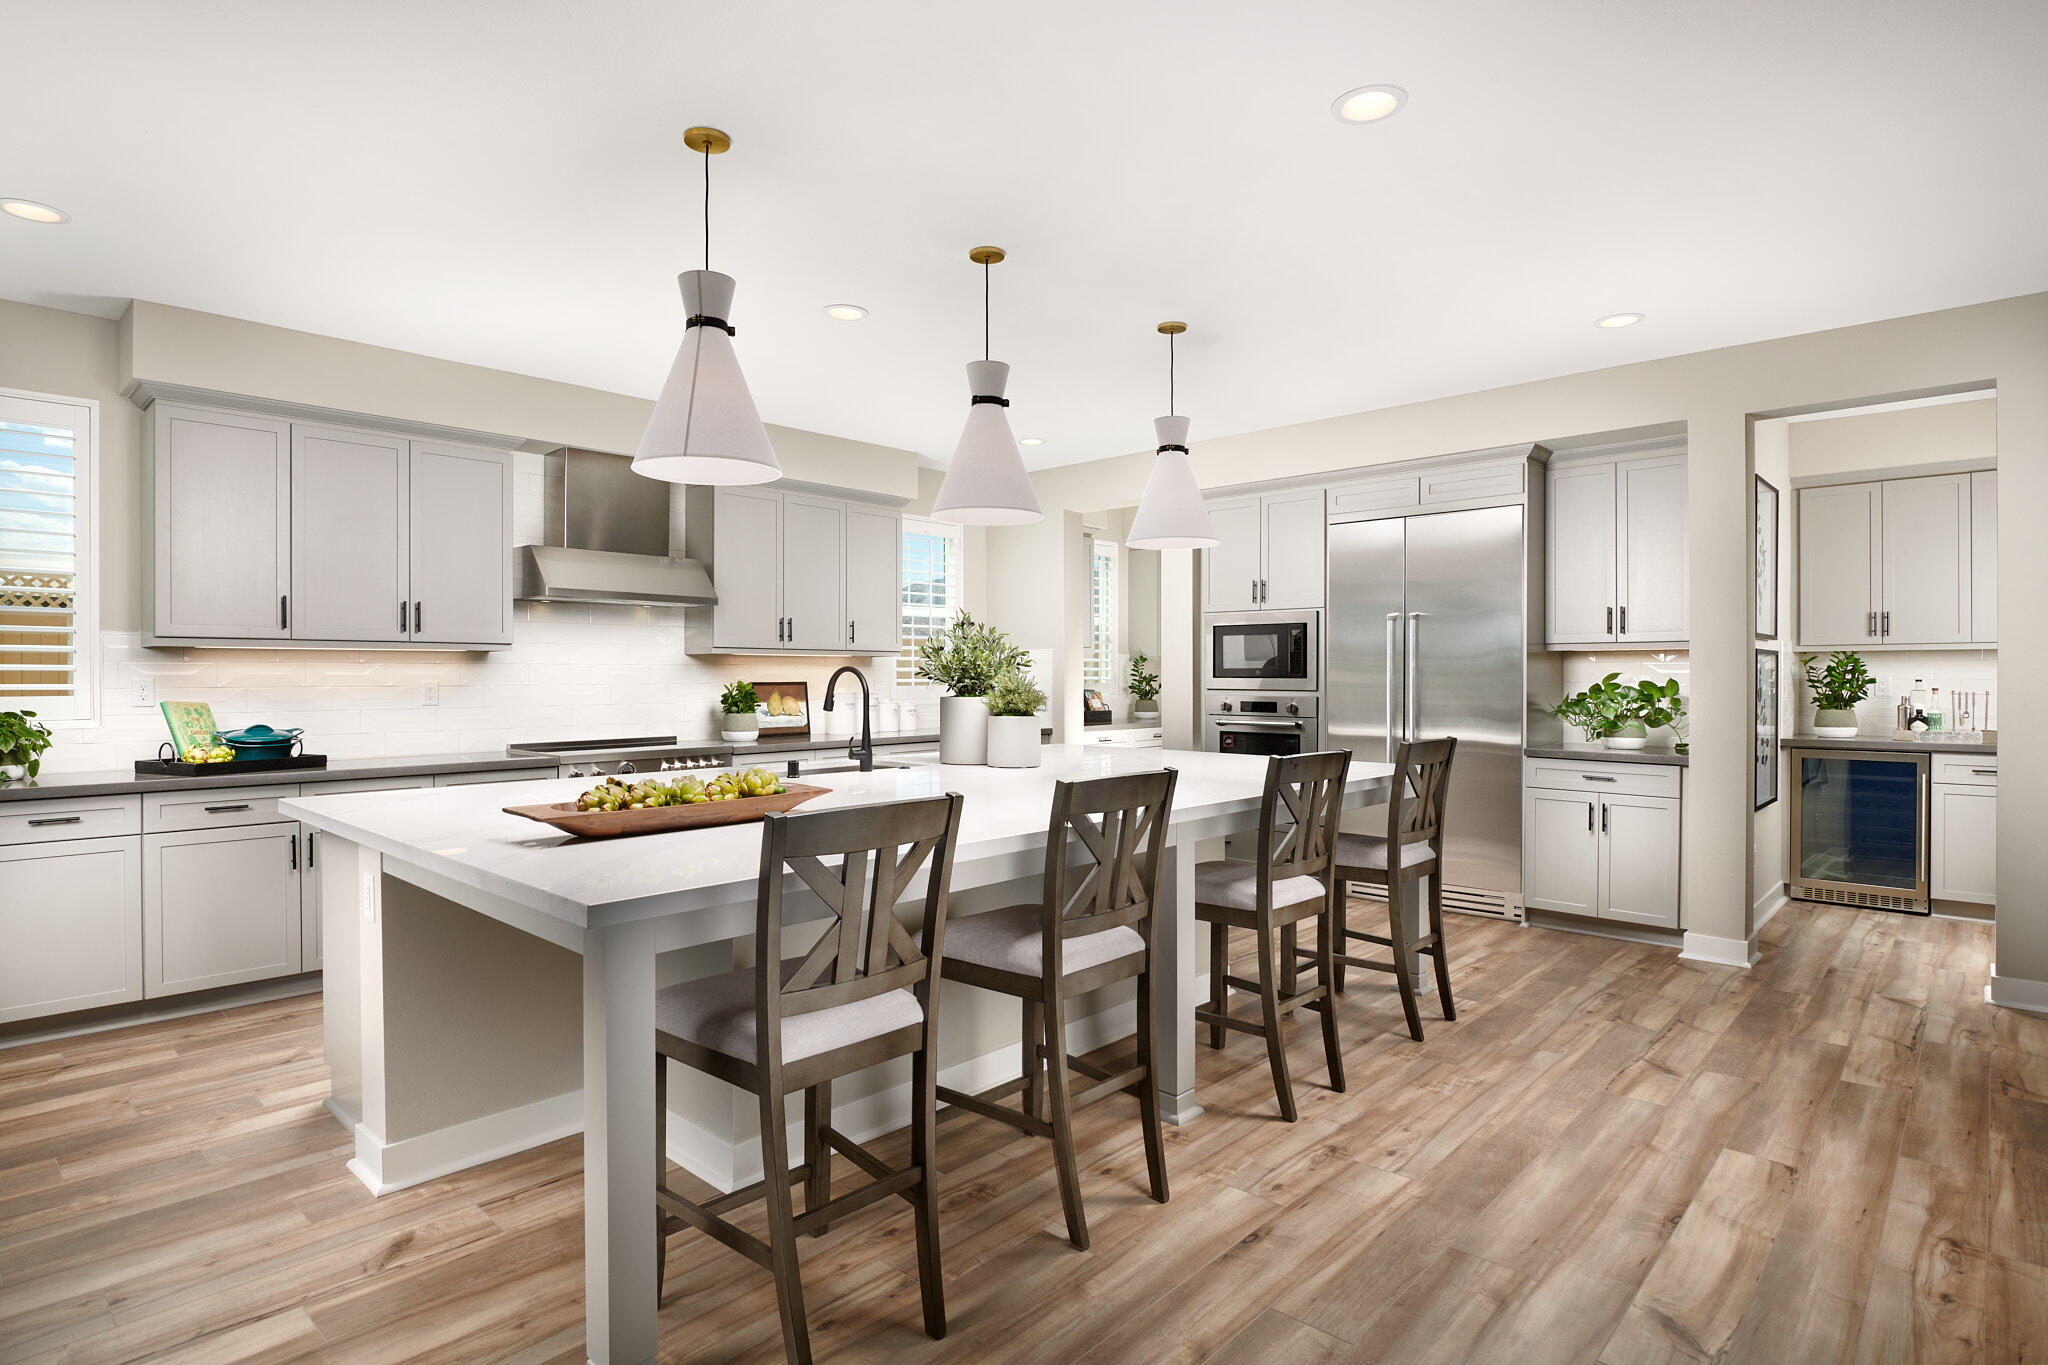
(1724,952)
(2016,992)
(387,1166)
(1767,905)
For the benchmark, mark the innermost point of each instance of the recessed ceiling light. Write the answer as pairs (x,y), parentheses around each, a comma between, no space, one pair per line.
(845,312)
(33,212)
(1619,320)
(1368,103)
(1032,441)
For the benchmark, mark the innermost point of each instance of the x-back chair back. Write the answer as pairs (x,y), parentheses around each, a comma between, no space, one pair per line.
(1421,786)
(1119,824)
(1299,814)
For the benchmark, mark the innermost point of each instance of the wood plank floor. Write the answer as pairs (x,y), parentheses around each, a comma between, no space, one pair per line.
(1612,1155)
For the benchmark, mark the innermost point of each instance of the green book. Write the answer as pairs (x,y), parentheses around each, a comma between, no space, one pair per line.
(192,725)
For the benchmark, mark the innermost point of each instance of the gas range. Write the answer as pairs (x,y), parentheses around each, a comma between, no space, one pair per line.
(636,754)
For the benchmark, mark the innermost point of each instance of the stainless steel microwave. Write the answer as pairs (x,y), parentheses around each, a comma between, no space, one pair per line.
(1262,651)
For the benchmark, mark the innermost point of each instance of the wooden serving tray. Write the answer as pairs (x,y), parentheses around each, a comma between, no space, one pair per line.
(604,824)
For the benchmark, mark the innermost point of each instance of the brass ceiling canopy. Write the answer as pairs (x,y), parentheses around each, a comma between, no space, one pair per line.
(709,141)
(1172,329)
(985,255)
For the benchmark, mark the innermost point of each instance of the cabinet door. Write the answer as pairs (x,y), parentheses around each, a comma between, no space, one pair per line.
(1231,567)
(1984,557)
(71,920)
(222,530)
(1293,526)
(1580,555)
(1560,851)
(874,586)
(220,906)
(1639,860)
(1965,844)
(746,549)
(814,572)
(310,957)
(350,495)
(1927,560)
(1841,564)
(1651,554)
(461,544)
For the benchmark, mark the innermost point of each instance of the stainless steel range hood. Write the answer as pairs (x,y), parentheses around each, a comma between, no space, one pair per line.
(607,539)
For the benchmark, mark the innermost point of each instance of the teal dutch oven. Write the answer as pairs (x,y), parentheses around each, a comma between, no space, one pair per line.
(260,741)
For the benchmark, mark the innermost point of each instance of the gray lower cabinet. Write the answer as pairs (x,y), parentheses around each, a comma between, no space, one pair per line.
(220,907)
(1602,840)
(71,923)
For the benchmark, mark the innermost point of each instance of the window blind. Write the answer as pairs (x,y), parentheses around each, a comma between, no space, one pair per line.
(41,561)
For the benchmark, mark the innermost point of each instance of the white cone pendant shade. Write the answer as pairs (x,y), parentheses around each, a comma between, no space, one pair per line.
(1172,515)
(987,484)
(705,428)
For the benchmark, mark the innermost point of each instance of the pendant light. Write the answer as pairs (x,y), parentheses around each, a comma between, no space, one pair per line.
(1171,515)
(705,428)
(986,484)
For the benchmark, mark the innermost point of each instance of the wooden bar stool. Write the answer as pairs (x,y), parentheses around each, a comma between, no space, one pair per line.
(861,995)
(1292,879)
(1413,848)
(1091,926)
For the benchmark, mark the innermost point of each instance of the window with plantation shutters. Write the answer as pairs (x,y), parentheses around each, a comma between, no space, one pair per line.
(46,555)
(933,557)
(1098,662)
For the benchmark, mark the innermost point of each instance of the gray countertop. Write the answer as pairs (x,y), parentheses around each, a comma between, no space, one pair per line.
(115,782)
(1599,753)
(1885,744)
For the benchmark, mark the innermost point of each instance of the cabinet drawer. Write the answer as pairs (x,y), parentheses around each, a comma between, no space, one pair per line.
(1967,770)
(220,808)
(1456,485)
(71,917)
(1632,779)
(1376,495)
(500,775)
(88,817)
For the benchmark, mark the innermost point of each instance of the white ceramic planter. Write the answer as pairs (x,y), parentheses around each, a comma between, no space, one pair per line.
(741,729)
(1834,724)
(1012,741)
(12,772)
(1139,712)
(963,730)
(1629,737)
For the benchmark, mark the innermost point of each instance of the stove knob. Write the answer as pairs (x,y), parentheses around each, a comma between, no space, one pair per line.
(1292,709)
(1226,706)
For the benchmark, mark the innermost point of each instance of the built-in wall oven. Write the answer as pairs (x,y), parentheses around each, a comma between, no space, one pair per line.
(1860,828)
(1262,651)
(1260,723)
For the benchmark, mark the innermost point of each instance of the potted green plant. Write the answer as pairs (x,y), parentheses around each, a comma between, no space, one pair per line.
(1013,727)
(1621,715)
(1837,684)
(739,720)
(967,658)
(23,739)
(1144,689)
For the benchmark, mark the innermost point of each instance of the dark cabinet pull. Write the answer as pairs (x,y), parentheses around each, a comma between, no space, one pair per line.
(1589,817)
(223,810)
(401,616)
(309,850)
(416,618)
(1624,620)
(1610,620)
(56,820)
(1870,628)
(849,632)
(295,852)
(284,614)
(1884,623)
(1603,817)
(1590,777)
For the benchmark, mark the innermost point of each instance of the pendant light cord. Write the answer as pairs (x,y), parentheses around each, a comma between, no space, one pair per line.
(1169,376)
(707,206)
(984,309)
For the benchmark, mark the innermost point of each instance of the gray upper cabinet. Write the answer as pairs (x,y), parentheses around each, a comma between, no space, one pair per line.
(1616,560)
(267,529)
(874,580)
(1269,553)
(813,573)
(350,574)
(747,554)
(1898,562)
(461,547)
(221,524)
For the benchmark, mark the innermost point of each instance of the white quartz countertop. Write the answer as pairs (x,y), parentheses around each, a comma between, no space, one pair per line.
(461,837)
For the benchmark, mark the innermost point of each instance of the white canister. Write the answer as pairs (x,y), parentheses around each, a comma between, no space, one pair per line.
(1013,741)
(963,730)
(890,718)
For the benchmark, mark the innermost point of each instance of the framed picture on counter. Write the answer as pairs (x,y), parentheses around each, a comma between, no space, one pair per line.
(1766,727)
(784,709)
(1766,559)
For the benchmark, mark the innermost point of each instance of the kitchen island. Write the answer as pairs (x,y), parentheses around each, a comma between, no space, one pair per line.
(490,983)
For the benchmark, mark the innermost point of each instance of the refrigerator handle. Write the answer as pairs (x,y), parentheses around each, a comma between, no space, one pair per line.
(1392,617)
(1414,624)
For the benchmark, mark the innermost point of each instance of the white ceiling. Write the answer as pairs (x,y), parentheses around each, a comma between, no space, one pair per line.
(504,183)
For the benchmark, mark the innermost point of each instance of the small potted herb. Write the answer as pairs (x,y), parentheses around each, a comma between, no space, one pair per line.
(1621,715)
(967,658)
(1837,684)
(1144,690)
(1013,721)
(23,739)
(739,721)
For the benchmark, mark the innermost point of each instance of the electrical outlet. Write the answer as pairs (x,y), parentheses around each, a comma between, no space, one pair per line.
(145,692)
(1881,689)
(430,694)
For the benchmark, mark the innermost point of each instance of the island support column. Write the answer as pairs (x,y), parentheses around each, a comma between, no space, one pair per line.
(1173,985)
(619,1158)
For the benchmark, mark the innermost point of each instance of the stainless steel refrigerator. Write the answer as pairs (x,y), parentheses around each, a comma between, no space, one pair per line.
(1426,631)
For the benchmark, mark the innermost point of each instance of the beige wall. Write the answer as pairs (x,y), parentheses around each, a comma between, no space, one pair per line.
(1714,393)
(1770,827)
(1935,434)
